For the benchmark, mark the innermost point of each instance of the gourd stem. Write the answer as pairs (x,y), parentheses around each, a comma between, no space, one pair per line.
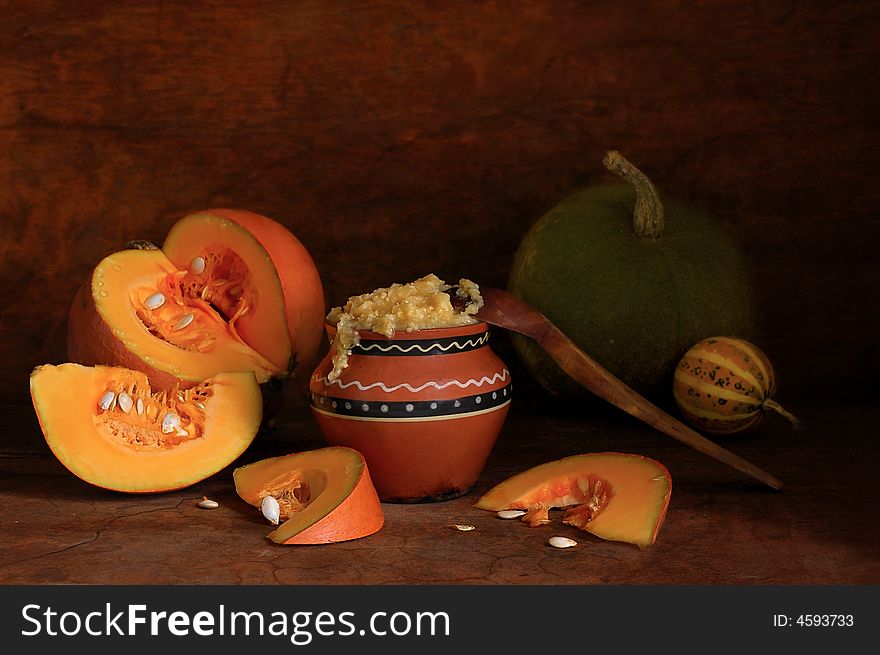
(648,214)
(141,244)
(779,409)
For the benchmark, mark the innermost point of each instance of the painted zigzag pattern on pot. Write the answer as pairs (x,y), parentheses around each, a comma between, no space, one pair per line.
(424,347)
(501,376)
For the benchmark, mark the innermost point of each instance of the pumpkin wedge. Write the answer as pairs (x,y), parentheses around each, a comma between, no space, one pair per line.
(109,427)
(323,495)
(615,496)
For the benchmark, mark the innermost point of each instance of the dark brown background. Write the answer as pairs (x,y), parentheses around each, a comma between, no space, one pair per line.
(448,127)
(400,138)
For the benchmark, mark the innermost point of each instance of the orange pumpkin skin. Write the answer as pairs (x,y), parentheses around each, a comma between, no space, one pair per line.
(724,385)
(335,497)
(123,445)
(91,342)
(301,284)
(360,509)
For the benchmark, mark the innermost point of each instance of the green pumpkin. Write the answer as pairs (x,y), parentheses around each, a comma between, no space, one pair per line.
(634,280)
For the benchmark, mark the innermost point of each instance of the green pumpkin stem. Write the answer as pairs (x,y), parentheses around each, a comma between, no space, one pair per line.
(769,403)
(648,214)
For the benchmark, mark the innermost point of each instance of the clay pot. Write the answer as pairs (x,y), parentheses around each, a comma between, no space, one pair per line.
(424,408)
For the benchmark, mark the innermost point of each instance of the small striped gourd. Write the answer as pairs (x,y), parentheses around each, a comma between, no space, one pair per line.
(724,385)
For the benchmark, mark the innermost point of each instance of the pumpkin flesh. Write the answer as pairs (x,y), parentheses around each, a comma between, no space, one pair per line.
(615,496)
(128,450)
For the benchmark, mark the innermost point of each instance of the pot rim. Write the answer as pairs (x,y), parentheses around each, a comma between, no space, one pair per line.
(477,326)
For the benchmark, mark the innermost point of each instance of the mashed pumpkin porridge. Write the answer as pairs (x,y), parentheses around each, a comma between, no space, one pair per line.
(419,305)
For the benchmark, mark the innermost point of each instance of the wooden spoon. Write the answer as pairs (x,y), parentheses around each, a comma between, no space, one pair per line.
(505,310)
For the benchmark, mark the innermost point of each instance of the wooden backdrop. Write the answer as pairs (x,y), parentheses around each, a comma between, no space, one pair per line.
(400,138)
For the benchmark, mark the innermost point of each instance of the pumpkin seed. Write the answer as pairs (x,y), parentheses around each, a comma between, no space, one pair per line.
(271,509)
(510,513)
(463,528)
(207,503)
(107,400)
(155,301)
(170,423)
(139,406)
(197,265)
(183,321)
(124,401)
(562,542)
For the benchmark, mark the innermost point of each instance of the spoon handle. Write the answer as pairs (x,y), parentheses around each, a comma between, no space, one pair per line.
(597,379)
(505,310)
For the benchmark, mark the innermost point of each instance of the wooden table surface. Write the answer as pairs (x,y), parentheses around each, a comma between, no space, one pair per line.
(721,527)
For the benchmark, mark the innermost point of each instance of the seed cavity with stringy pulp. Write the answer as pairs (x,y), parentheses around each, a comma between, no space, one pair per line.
(163,419)
(285,496)
(188,307)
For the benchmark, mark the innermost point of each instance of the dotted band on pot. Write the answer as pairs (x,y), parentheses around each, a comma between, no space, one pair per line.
(415,409)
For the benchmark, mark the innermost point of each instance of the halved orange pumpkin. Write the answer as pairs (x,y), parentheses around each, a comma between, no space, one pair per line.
(109,427)
(324,495)
(266,248)
(139,311)
(615,496)
(216,304)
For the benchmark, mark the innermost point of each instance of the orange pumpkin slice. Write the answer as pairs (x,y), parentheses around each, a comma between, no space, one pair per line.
(324,495)
(261,275)
(111,429)
(615,496)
